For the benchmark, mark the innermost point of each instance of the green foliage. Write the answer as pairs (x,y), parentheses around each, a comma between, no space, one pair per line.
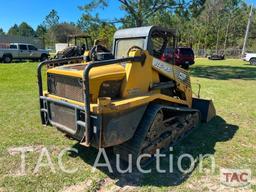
(196,7)
(220,24)
(41,31)
(26,30)
(138,12)
(215,25)
(98,30)
(2,31)
(212,24)
(94,4)
(22,30)
(54,32)
(14,30)
(58,33)
(104,32)
(94,26)
(51,19)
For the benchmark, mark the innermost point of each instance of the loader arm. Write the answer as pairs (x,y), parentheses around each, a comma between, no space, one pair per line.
(177,74)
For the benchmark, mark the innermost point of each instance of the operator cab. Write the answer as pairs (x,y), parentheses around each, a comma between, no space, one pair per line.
(77,45)
(154,39)
(83,41)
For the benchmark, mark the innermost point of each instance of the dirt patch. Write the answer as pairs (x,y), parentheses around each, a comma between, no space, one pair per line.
(109,185)
(80,187)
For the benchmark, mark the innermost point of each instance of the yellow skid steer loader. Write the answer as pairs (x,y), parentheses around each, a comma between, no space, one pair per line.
(127,99)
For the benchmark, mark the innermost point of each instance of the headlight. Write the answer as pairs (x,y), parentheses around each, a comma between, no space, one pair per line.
(110,89)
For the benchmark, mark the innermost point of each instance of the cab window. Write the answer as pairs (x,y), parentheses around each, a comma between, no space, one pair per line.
(123,45)
(32,48)
(23,47)
(160,41)
(13,46)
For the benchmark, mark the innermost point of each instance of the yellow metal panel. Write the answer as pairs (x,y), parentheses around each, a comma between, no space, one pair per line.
(119,105)
(164,68)
(108,71)
(97,75)
(139,76)
(141,100)
(65,72)
(128,103)
(176,73)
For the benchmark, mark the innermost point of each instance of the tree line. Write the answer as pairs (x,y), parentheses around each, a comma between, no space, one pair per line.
(201,24)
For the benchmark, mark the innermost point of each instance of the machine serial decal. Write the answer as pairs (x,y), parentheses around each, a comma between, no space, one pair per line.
(133,91)
(182,76)
(162,65)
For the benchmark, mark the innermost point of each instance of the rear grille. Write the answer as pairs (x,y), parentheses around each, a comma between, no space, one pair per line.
(63,115)
(66,87)
(182,76)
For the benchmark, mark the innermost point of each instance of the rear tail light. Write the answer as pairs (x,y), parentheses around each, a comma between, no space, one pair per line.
(163,57)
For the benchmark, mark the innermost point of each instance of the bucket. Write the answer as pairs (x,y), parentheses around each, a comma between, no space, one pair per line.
(205,107)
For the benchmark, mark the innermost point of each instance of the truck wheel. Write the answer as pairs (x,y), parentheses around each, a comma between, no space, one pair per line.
(7,58)
(43,57)
(253,61)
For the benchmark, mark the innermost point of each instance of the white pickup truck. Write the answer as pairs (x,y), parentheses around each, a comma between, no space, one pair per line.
(251,57)
(22,51)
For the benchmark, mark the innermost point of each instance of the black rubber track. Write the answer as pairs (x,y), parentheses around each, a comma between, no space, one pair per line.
(133,146)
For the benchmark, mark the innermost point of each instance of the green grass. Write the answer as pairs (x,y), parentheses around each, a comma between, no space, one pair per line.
(230,137)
